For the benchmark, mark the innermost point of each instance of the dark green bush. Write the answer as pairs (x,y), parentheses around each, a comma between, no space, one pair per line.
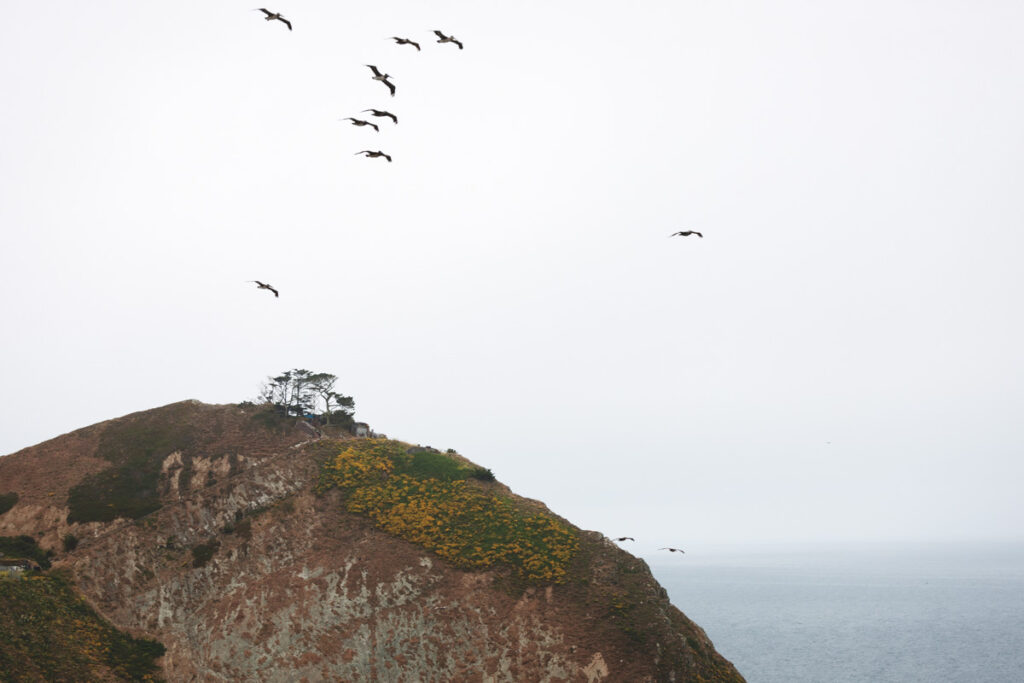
(70,542)
(482,473)
(25,547)
(204,552)
(7,501)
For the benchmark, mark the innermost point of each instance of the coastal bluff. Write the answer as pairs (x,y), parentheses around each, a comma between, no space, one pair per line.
(253,548)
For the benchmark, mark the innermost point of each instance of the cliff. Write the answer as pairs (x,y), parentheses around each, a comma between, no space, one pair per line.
(252,552)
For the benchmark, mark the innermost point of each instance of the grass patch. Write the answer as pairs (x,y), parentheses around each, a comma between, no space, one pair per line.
(49,633)
(423,497)
(25,547)
(7,501)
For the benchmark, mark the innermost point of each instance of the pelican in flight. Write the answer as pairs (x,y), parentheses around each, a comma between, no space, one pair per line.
(360,123)
(673,550)
(260,285)
(624,538)
(371,155)
(378,112)
(687,233)
(383,78)
(442,38)
(406,41)
(276,15)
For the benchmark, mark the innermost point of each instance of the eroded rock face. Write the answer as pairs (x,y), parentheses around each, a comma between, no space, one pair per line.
(245,574)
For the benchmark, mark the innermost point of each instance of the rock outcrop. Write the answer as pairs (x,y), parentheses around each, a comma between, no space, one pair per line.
(201,527)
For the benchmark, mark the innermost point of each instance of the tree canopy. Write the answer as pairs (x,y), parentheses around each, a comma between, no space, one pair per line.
(303,392)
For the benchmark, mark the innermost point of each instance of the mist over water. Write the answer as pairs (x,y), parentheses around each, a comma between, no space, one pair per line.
(898,613)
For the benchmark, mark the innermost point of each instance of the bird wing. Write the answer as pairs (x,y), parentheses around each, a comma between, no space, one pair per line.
(274,291)
(267,12)
(289,25)
(393,117)
(365,151)
(415,45)
(391,87)
(457,43)
(374,126)
(374,69)
(439,34)
(698,234)
(387,156)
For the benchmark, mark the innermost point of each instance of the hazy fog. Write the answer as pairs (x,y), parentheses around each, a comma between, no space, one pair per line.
(840,358)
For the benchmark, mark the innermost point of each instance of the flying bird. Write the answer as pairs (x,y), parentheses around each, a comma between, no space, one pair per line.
(406,41)
(383,78)
(276,15)
(673,550)
(260,285)
(371,155)
(378,112)
(624,538)
(687,233)
(361,123)
(442,38)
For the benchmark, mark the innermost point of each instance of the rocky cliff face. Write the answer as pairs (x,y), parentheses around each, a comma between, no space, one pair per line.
(231,559)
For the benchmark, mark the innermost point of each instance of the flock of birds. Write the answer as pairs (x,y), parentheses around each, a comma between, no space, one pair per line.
(378,113)
(384,78)
(377,76)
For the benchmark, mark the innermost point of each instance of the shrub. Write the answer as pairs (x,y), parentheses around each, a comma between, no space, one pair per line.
(48,632)
(136,446)
(7,501)
(204,552)
(25,547)
(423,497)
(70,542)
(483,474)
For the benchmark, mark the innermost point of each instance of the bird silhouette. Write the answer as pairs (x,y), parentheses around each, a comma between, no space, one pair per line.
(673,550)
(383,78)
(687,233)
(361,123)
(624,538)
(378,153)
(378,112)
(406,41)
(275,15)
(442,38)
(260,285)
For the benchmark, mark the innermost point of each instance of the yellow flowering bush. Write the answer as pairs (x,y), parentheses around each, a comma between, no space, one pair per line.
(470,526)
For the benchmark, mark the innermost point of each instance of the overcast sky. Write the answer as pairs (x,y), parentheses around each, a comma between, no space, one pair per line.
(840,358)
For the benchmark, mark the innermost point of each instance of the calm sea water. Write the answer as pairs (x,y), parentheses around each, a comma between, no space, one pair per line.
(864,614)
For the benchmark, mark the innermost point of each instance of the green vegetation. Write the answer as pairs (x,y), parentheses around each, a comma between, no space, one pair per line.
(302,392)
(48,633)
(136,446)
(25,547)
(7,501)
(70,542)
(427,498)
(482,473)
(204,552)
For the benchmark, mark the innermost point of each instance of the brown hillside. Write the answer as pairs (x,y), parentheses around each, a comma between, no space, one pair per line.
(243,571)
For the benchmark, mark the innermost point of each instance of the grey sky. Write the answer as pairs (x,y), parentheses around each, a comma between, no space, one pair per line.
(507,286)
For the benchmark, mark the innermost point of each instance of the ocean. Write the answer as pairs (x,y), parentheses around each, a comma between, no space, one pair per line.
(858,613)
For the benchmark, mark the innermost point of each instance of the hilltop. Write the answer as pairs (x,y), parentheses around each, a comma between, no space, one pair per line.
(251,549)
